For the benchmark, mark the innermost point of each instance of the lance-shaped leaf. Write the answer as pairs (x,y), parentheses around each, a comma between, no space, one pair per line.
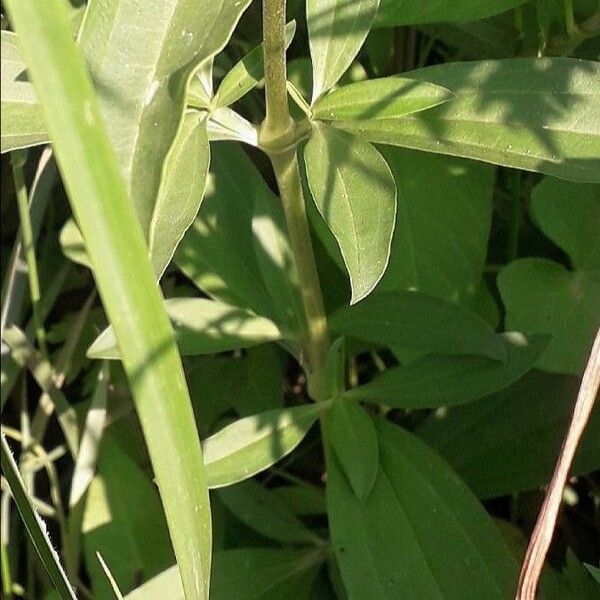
(23,122)
(386,98)
(393,12)
(336,32)
(202,327)
(247,73)
(249,573)
(508,442)
(355,193)
(438,380)
(225,124)
(181,190)
(262,510)
(420,534)
(417,321)
(253,444)
(354,440)
(124,277)
(534,114)
(140,56)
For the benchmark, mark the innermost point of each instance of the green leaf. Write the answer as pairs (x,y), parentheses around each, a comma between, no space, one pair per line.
(225,124)
(535,114)
(201,327)
(181,190)
(336,32)
(36,528)
(447,380)
(249,573)
(253,444)
(123,273)
(354,441)
(442,224)
(141,57)
(264,512)
(420,534)
(355,193)
(72,244)
(542,296)
(386,98)
(303,499)
(23,122)
(509,442)
(595,571)
(417,321)
(247,73)
(238,245)
(124,521)
(393,13)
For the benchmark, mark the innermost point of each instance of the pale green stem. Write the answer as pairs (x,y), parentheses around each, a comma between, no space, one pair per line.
(17,161)
(279,134)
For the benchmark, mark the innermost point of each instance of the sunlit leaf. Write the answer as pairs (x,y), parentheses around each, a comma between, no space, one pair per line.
(253,444)
(534,114)
(336,32)
(202,327)
(355,193)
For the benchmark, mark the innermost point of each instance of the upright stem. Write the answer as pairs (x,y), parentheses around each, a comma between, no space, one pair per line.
(17,160)
(278,137)
(278,120)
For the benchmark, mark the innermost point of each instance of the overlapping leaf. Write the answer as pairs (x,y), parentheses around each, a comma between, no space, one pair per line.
(419,322)
(355,193)
(420,534)
(447,380)
(202,327)
(543,296)
(336,32)
(534,114)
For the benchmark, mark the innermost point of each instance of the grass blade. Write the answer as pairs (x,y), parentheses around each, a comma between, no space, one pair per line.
(34,524)
(125,279)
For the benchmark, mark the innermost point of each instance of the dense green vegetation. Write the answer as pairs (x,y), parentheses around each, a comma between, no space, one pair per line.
(297,297)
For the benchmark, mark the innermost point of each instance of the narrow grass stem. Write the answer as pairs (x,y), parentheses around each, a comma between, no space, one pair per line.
(17,162)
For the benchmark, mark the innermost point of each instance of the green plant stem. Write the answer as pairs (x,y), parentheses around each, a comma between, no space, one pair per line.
(572,29)
(17,162)
(279,133)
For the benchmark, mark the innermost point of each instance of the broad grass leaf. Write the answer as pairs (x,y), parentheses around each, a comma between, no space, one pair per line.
(394,13)
(417,321)
(438,380)
(124,521)
(264,512)
(201,327)
(355,193)
(386,98)
(543,296)
(249,573)
(181,189)
(508,442)
(141,57)
(23,123)
(250,445)
(539,115)
(442,224)
(420,534)
(336,32)
(355,442)
(246,74)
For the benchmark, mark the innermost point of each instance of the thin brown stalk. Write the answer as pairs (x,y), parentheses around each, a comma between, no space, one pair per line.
(546,522)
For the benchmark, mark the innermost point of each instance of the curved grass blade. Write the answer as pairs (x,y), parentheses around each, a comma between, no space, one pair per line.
(124,276)
(35,526)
